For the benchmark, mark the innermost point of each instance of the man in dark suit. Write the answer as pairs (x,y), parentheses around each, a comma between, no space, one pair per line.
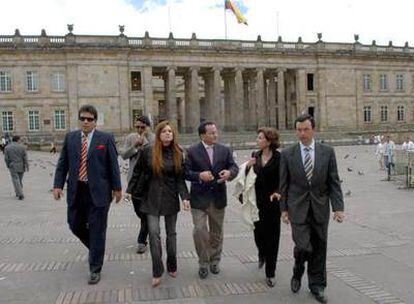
(15,156)
(90,161)
(208,166)
(309,181)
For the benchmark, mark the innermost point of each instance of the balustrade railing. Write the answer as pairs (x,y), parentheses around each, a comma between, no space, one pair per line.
(133,42)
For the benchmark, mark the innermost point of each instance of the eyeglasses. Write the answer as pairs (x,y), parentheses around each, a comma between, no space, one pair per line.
(141,127)
(88,119)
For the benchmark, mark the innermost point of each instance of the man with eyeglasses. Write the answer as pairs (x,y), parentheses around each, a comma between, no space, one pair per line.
(89,161)
(133,144)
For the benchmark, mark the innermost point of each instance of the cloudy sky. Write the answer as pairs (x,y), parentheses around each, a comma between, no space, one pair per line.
(338,20)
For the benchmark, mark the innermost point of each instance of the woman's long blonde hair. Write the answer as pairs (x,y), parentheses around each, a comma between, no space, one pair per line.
(157,159)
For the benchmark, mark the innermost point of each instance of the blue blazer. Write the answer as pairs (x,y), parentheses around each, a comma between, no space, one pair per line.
(102,167)
(196,161)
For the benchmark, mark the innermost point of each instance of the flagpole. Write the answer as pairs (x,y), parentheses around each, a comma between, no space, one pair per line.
(225,22)
(277,23)
(169,16)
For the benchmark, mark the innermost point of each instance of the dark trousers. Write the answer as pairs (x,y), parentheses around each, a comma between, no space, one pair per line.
(155,243)
(143,231)
(266,237)
(17,180)
(89,223)
(311,240)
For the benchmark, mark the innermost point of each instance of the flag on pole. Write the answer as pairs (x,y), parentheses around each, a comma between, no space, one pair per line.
(231,6)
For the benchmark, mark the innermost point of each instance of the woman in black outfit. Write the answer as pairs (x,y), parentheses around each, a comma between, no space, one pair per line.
(265,163)
(158,178)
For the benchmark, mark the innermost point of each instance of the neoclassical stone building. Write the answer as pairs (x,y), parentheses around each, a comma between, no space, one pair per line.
(239,84)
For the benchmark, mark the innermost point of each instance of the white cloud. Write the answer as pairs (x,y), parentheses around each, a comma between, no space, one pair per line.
(337,20)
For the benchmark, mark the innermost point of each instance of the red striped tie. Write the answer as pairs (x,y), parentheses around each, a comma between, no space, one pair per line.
(83,174)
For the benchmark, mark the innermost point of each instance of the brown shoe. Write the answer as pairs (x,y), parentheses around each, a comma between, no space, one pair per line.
(156,282)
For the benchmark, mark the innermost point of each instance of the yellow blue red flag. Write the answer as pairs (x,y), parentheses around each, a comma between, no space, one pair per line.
(231,6)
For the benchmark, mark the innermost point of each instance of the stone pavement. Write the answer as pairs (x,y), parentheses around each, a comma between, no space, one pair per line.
(370,256)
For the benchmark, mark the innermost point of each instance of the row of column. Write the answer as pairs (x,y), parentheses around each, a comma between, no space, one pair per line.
(252,97)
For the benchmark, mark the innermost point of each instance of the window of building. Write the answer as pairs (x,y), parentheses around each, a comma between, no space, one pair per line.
(400,113)
(31,81)
(136,81)
(58,82)
(60,120)
(400,82)
(7,119)
(367,114)
(310,82)
(367,83)
(5,81)
(384,113)
(383,82)
(34,120)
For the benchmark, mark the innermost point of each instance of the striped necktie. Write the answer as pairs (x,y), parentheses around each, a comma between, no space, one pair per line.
(83,174)
(308,164)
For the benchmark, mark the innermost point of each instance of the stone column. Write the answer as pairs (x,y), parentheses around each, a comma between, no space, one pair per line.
(181,115)
(216,100)
(271,101)
(252,103)
(260,99)
(228,100)
(73,103)
(281,101)
(246,106)
(150,107)
(192,100)
(301,103)
(124,105)
(322,122)
(208,85)
(170,95)
(290,107)
(237,103)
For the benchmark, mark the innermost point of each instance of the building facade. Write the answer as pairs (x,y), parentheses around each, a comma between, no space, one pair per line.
(239,84)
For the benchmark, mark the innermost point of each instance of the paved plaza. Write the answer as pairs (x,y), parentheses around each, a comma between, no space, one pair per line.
(370,255)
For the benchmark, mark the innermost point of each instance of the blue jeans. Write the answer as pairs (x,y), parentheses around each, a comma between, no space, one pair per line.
(153,222)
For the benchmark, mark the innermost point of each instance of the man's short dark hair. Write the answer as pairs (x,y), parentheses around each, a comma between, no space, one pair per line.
(305,117)
(202,127)
(88,109)
(16,138)
(144,119)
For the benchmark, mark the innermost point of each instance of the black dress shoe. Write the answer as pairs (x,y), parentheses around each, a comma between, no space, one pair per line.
(271,282)
(20,197)
(215,269)
(295,284)
(319,295)
(203,272)
(94,278)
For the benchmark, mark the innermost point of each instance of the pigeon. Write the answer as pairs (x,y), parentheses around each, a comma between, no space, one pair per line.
(350,169)
(346,156)
(348,193)
(360,172)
